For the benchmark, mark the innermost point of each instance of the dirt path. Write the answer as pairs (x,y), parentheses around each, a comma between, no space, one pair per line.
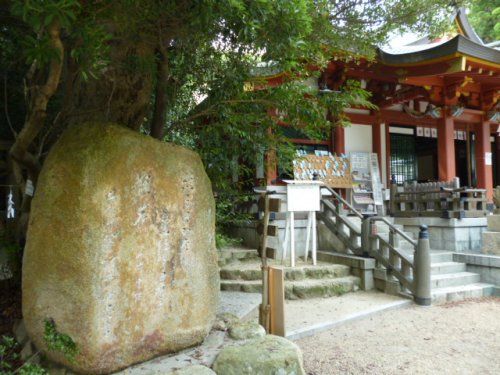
(457,338)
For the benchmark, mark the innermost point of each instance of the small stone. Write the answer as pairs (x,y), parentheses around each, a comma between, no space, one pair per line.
(20,332)
(268,355)
(27,351)
(246,330)
(192,370)
(224,321)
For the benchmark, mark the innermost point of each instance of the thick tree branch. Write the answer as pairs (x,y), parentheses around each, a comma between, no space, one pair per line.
(37,110)
(160,108)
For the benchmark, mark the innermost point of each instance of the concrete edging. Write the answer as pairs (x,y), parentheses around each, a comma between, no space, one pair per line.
(320,327)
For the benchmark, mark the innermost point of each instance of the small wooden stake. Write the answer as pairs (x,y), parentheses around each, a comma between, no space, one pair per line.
(277,301)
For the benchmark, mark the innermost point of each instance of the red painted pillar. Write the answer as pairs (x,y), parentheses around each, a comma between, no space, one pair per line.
(339,140)
(446,149)
(388,154)
(497,144)
(484,159)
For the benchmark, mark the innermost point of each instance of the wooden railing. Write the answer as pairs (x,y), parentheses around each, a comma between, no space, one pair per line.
(437,199)
(412,274)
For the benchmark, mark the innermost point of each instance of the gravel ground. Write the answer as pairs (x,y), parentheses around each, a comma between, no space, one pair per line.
(456,338)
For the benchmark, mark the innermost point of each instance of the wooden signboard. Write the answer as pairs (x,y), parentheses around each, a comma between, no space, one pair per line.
(333,171)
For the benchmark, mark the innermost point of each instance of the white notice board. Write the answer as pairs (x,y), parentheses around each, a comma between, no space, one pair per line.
(303,196)
(376,183)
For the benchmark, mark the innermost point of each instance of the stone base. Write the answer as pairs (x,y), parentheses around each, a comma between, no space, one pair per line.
(461,236)
(487,266)
(248,233)
(493,223)
(491,243)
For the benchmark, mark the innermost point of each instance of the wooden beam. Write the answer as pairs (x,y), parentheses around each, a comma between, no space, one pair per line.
(397,117)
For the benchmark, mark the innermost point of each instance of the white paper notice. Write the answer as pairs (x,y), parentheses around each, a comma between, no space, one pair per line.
(488,158)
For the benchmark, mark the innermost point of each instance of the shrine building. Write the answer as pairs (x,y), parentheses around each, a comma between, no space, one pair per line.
(438,113)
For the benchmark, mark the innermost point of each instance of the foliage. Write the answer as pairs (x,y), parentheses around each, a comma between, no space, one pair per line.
(485,18)
(60,342)
(222,240)
(127,61)
(13,252)
(10,361)
(9,356)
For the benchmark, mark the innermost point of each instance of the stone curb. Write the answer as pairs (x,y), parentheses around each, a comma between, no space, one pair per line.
(320,327)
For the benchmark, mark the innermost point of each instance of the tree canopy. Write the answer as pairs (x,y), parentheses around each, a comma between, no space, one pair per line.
(485,18)
(177,70)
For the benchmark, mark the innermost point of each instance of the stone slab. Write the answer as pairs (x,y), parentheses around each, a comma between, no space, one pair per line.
(307,319)
(203,355)
(240,304)
(487,266)
(491,243)
(449,234)
(437,222)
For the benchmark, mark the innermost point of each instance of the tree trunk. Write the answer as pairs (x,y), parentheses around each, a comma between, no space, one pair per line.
(122,93)
(38,99)
(158,121)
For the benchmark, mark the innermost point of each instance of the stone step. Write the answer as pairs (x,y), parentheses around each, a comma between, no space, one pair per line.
(299,289)
(229,255)
(459,293)
(437,256)
(454,279)
(252,271)
(447,267)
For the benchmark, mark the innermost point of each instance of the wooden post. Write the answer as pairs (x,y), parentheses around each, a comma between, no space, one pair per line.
(264,307)
(339,139)
(314,238)
(277,301)
(308,235)
(292,239)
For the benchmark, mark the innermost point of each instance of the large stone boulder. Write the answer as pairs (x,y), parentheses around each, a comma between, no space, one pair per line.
(269,355)
(120,250)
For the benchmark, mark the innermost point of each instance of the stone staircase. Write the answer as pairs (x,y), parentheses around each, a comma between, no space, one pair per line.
(241,271)
(449,279)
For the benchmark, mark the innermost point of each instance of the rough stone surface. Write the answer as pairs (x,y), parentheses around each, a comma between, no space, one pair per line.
(246,330)
(493,223)
(269,355)
(120,248)
(491,243)
(193,370)
(224,321)
(496,199)
(20,332)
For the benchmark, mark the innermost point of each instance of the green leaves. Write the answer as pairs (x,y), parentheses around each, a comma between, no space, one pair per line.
(485,18)
(40,14)
(60,342)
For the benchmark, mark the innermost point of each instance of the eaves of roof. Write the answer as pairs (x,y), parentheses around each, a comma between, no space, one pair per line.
(457,46)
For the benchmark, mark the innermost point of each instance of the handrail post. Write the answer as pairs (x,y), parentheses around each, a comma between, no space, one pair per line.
(373,239)
(365,235)
(422,293)
(393,191)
